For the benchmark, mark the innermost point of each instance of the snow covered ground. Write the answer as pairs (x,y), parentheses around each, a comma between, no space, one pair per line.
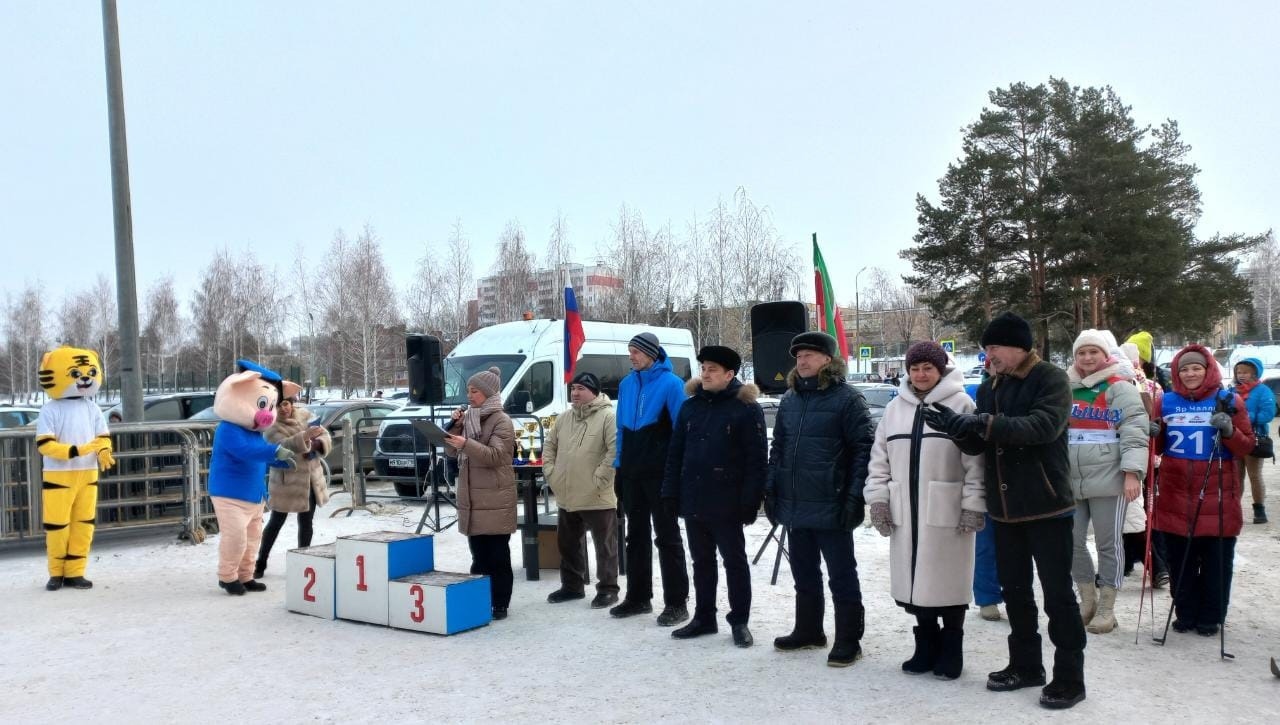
(157,641)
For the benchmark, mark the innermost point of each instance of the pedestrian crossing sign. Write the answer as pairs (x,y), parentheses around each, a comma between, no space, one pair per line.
(948,346)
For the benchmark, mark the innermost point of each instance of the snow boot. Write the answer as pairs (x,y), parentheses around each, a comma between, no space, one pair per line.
(1104,620)
(923,659)
(1259,513)
(673,614)
(1061,695)
(807,633)
(77,582)
(990,612)
(1088,601)
(54,583)
(234,588)
(950,661)
(253,585)
(741,635)
(849,628)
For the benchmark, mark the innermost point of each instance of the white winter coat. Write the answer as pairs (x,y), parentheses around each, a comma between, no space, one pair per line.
(909,456)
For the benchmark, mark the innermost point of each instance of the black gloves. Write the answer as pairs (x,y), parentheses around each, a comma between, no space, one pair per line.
(671,506)
(855,510)
(957,425)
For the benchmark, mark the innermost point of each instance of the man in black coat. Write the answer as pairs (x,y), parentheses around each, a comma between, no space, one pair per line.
(1021,425)
(817,470)
(715,479)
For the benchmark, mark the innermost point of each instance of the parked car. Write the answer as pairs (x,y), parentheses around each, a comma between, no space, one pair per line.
(16,416)
(332,414)
(877,396)
(166,406)
(862,377)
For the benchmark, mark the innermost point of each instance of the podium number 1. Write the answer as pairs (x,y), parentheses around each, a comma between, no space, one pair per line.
(417,614)
(310,574)
(360,585)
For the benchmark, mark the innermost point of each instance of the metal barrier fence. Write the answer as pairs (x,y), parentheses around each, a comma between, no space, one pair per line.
(160,480)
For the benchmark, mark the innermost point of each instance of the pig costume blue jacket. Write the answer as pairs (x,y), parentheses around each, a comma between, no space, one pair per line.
(238,466)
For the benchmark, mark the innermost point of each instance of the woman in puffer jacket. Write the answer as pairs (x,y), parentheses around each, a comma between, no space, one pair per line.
(298,489)
(929,498)
(1108,433)
(1204,431)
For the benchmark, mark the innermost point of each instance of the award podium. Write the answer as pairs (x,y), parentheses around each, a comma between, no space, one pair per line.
(386,578)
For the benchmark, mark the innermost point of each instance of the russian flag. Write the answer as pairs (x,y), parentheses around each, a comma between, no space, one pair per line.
(573,334)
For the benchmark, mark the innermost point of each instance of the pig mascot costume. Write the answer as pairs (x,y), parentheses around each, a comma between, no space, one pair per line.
(71,434)
(246,403)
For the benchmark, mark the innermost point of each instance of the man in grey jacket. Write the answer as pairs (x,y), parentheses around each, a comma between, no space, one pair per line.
(577,461)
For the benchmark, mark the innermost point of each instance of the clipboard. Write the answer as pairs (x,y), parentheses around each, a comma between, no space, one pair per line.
(428,428)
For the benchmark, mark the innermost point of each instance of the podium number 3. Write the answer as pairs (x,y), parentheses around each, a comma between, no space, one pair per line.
(360,585)
(417,614)
(310,574)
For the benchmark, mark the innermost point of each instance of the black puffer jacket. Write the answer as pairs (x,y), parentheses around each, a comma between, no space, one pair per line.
(818,460)
(1028,469)
(716,465)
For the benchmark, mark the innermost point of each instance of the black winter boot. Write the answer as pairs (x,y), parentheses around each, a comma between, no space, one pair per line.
(233,588)
(54,583)
(807,633)
(950,647)
(1259,513)
(1060,695)
(849,627)
(77,582)
(926,633)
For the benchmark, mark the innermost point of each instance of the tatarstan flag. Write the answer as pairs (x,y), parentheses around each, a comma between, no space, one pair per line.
(828,311)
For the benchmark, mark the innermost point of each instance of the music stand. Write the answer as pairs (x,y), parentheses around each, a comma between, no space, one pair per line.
(782,550)
(433,433)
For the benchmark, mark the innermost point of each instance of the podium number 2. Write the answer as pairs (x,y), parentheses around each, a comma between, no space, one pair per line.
(417,614)
(310,574)
(360,585)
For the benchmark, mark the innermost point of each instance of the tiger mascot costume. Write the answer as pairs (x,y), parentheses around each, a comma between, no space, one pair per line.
(71,434)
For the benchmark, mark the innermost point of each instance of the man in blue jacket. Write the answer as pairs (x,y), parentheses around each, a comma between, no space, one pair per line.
(715,479)
(649,400)
(1261,405)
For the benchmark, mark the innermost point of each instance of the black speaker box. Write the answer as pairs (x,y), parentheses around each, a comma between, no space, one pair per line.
(773,325)
(426,369)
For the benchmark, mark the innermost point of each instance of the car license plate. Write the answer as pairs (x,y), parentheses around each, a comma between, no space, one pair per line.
(400,462)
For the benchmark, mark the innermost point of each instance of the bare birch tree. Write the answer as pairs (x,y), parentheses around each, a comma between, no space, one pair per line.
(458,284)
(514,273)
(162,330)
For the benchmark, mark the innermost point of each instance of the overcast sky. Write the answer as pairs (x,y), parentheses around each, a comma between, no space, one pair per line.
(273,124)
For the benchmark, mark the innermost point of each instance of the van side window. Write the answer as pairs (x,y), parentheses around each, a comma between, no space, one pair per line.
(680,366)
(608,369)
(537,385)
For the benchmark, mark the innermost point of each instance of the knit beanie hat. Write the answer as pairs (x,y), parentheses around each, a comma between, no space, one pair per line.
(1145,343)
(1008,329)
(488,381)
(1101,339)
(1191,356)
(927,352)
(647,343)
(588,381)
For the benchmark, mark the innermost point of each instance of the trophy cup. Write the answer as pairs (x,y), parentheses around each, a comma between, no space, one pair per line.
(531,427)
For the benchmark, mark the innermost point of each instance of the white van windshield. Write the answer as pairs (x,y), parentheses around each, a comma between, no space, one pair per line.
(459,369)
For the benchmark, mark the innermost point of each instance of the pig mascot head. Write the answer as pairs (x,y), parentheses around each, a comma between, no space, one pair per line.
(248,398)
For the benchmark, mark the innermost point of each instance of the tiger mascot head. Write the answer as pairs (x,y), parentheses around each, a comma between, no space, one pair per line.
(70,372)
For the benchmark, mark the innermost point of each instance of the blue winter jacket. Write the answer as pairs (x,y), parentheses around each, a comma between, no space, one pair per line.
(648,402)
(238,466)
(1261,402)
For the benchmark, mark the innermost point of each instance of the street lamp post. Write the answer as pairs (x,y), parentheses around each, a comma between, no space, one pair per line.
(857,316)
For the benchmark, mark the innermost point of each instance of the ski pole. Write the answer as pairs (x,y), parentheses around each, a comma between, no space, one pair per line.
(1222,576)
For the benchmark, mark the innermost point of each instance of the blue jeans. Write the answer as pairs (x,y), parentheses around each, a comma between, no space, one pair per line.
(836,548)
(986,586)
